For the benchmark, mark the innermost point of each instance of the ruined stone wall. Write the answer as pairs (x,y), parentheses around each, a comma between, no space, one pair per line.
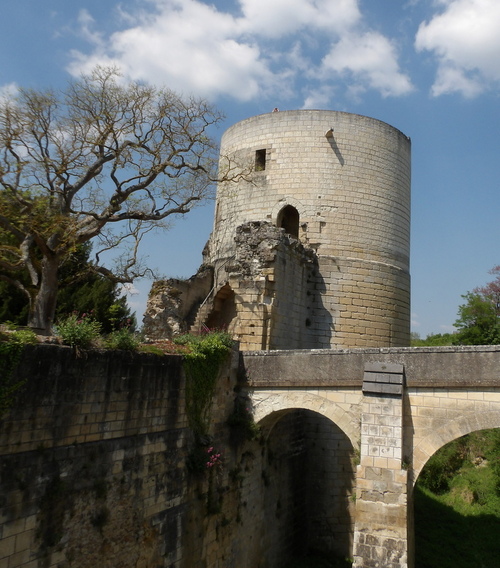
(97,470)
(92,468)
(173,304)
(297,317)
(351,192)
(276,291)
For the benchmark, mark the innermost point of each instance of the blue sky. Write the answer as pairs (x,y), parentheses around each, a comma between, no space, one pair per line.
(428,67)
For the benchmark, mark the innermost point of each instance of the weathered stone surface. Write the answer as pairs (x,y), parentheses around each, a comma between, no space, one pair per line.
(173,304)
(424,367)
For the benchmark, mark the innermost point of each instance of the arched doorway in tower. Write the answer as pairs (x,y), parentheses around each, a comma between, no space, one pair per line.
(288,219)
(224,309)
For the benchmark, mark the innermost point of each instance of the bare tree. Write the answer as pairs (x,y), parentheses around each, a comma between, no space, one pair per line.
(102,160)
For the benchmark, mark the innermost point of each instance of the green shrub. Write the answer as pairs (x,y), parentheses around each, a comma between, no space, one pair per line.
(78,331)
(23,337)
(123,339)
(442,466)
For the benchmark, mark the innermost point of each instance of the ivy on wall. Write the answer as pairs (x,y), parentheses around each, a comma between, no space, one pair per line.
(241,421)
(11,347)
(202,362)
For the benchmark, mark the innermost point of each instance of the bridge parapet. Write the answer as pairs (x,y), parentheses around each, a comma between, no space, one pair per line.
(439,367)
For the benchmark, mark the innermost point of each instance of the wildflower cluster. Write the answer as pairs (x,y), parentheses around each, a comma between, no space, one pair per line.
(78,330)
(214,459)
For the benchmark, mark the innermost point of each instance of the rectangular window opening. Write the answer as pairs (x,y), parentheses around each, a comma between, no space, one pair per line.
(260,160)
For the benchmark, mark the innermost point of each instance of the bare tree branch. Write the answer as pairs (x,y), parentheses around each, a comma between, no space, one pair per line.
(101,158)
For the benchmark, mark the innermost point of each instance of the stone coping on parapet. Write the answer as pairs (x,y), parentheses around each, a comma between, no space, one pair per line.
(293,114)
(461,367)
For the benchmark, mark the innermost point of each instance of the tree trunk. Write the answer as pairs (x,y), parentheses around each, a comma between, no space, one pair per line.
(44,305)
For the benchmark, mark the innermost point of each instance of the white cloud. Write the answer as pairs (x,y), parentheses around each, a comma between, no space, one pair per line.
(188,45)
(8,90)
(128,288)
(318,98)
(466,42)
(447,328)
(86,23)
(263,50)
(281,17)
(371,59)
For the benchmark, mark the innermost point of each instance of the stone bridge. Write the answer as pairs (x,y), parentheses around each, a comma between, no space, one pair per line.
(396,407)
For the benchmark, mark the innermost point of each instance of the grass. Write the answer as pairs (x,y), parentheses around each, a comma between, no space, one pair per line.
(458,526)
(447,538)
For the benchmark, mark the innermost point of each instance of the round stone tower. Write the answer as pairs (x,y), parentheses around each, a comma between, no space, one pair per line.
(329,196)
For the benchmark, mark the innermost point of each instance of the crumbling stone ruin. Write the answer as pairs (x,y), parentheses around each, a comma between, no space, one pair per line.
(311,250)
(172,304)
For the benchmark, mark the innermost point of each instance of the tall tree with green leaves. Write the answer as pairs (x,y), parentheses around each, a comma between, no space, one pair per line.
(478,320)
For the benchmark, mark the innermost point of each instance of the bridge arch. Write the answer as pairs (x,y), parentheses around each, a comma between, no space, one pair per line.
(313,458)
(269,408)
(465,424)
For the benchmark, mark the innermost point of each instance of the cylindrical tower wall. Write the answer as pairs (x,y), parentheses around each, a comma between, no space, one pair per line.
(341,183)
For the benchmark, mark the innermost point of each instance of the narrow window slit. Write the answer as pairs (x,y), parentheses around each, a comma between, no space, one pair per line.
(260,160)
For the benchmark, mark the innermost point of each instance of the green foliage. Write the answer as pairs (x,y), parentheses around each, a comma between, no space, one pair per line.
(78,331)
(494,463)
(204,457)
(65,180)
(466,505)
(442,466)
(433,339)
(81,290)
(201,365)
(14,304)
(118,315)
(447,538)
(152,349)
(11,348)
(478,321)
(241,421)
(122,339)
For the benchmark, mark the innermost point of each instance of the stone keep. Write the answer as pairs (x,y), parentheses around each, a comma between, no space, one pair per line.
(311,249)
(336,274)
